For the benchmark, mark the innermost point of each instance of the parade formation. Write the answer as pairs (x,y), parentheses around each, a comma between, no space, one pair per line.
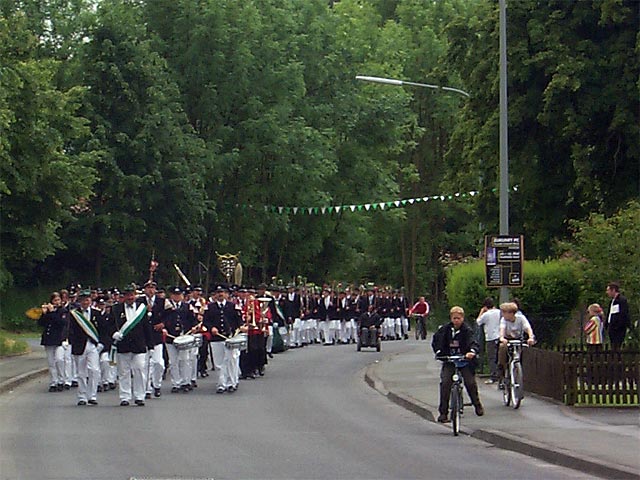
(145,340)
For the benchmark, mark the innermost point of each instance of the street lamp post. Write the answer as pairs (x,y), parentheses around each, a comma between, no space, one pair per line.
(504,153)
(391,81)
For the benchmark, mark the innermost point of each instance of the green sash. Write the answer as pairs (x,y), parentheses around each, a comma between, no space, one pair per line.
(86,326)
(129,325)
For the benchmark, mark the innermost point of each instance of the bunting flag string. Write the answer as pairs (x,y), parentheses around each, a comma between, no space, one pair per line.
(364,206)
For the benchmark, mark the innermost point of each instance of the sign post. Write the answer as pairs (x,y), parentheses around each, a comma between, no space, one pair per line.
(503,258)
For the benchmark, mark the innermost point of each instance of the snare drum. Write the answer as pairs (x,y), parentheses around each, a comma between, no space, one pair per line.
(238,342)
(184,342)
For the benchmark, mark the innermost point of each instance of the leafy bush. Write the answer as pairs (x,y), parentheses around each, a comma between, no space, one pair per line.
(550,292)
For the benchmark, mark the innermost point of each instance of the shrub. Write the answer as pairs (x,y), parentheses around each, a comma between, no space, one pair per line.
(549,293)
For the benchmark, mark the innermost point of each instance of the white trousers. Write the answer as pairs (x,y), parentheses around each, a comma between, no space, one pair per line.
(108,372)
(70,373)
(296,333)
(88,368)
(311,329)
(131,367)
(55,360)
(155,367)
(227,362)
(193,359)
(179,365)
(269,344)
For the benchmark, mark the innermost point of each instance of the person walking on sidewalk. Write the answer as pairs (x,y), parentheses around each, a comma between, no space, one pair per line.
(618,319)
(489,320)
(456,338)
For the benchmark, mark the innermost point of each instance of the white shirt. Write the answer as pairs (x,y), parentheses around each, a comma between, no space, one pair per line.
(490,322)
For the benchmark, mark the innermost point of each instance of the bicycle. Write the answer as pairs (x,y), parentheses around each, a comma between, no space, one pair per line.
(513,384)
(421,329)
(456,403)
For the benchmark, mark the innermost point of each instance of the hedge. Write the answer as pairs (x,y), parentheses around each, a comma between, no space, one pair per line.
(549,293)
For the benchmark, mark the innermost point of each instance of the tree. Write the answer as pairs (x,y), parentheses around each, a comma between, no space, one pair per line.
(46,169)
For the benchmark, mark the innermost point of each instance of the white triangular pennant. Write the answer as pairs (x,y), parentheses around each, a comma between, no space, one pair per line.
(367,206)
(411,200)
(352,207)
(295,210)
(397,203)
(338,208)
(323,209)
(381,204)
(280,209)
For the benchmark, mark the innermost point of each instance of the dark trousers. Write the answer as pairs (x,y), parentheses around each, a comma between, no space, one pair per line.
(203,356)
(492,358)
(256,355)
(448,369)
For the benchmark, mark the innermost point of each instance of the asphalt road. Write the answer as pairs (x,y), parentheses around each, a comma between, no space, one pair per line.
(311,417)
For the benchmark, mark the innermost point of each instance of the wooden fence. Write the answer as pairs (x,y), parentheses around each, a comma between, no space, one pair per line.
(578,377)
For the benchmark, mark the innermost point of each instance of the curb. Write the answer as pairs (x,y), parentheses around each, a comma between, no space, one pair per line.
(505,440)
(12,383)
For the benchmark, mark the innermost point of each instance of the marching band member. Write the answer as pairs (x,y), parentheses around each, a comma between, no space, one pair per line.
(86,345)
(222,320)
(54,321)
(327,312)
(292,313)
(155,355)
(176,319)
(108,372)
(132,338)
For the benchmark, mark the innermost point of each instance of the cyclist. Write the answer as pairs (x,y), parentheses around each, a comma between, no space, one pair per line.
(421,309)
(456,338)
(513,326)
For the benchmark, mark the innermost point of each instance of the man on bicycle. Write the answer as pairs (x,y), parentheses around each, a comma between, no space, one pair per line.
(513,326)
(456,338)
(421,310)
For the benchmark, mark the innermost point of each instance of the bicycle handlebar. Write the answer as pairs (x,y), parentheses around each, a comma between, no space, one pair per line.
(450,358)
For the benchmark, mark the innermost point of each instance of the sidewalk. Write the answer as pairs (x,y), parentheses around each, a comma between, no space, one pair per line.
(22,368)
(602,442)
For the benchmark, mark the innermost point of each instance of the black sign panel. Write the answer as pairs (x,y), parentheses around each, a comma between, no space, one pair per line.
(503,258)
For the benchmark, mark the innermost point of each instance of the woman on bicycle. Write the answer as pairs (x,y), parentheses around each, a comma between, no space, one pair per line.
(456,338)
(513,326)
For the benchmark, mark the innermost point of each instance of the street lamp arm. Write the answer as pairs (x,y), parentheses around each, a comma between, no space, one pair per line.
(391,81)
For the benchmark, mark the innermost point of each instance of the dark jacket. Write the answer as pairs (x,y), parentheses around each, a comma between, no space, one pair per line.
(617,323)
(56,327)
(177,319)
(138,339)
(226,319)
(445,342)
(293,307)
(367,320)
(155,310)
(78,339)
(325,313)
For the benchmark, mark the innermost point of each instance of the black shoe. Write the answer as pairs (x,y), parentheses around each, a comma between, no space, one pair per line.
(66,387)
(60,387)
(140,403)
(185,389)
(53,388)
(74,384)
(124,403)
(112,386)
(194,384)
(175,389)
(270,355)
(479,409)
(501,385)
(93,402)
(261,372)
(442,418)
(204,374)
(82,402)
(231,389)
(156,392)
(147,395)
(99,388)
(220,390)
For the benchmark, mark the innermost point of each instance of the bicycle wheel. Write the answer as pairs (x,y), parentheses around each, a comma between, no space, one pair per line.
(506,389)
(516,385)
(456,403)
(417,330)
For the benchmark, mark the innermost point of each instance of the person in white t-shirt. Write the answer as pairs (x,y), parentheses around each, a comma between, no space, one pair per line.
(513,326)
(489,320)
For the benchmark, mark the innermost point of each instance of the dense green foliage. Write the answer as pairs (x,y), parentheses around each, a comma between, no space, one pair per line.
(166,126)
(550,293)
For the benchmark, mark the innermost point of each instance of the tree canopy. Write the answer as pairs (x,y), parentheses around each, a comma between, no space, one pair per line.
(183,128)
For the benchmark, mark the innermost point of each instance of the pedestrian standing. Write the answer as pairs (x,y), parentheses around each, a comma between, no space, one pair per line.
(618,320)
(55,324)
(593,329)
(489,320)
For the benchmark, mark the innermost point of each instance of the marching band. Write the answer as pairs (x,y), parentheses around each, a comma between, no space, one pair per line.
(100,340)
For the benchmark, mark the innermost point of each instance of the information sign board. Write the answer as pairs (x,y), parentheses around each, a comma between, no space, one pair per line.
(503,258)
